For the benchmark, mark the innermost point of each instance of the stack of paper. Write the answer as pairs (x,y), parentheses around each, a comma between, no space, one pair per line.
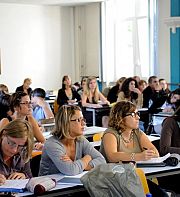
(16,186)
(153,162)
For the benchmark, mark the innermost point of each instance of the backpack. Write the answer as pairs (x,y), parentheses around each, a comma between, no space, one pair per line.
(113,180)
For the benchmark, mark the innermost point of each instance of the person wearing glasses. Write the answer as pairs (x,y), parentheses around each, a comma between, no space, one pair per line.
(123,140)
(68,151)
(16,144)
(22,108)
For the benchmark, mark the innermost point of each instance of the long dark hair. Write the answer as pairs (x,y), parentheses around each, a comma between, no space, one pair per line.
(5,100)
(125,88)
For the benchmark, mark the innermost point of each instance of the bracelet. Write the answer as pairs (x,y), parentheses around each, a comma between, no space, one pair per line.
(132,156)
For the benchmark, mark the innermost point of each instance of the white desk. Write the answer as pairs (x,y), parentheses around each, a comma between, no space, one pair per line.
(155,172)
(90,131)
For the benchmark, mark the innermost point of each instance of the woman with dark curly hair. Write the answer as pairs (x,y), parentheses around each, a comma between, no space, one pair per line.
(130,92)
(123,140)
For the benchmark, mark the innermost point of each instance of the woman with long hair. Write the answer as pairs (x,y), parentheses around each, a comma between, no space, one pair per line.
(16,144)
(67,95)
(130,92)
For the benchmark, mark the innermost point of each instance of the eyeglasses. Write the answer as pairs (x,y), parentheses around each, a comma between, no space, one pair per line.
(133,114)
(79,120)
(14,145)
(26,103)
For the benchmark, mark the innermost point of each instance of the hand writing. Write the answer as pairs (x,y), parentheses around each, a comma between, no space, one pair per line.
(148,154)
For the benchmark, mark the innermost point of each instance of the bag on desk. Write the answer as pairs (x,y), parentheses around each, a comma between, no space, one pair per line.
(113,180)
(39,185)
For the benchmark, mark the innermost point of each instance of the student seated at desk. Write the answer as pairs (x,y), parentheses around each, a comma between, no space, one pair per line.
(67,95)
(91,95)
(170,133)
(170,143)
(41,109)
(16,144)
(67,151)
(130,92)
(22,108)
(123,141)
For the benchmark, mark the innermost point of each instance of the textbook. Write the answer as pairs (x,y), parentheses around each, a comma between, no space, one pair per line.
(153,162)
(14,186)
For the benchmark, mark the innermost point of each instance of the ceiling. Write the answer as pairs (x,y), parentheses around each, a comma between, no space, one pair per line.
(50,2)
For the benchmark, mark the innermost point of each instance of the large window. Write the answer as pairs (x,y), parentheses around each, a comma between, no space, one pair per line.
(128,28)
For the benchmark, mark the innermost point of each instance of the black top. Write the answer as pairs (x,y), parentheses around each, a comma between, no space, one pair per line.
(62,98)
(113,94)
(157,97)
(20,89)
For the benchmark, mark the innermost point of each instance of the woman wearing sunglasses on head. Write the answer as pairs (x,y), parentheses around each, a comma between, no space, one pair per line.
(123,141)
(16,144)
(67,151)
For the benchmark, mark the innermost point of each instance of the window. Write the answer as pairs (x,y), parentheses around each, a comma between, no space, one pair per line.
(127,45)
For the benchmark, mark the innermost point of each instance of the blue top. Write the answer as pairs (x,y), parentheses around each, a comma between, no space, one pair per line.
(53,150)
(38,112)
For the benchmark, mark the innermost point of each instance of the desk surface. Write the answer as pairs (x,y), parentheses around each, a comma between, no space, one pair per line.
(161,171)
(89,131)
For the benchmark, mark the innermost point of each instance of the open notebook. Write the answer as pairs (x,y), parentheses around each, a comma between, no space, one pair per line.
(153,162)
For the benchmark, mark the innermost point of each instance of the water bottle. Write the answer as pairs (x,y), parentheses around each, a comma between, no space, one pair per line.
(148,195)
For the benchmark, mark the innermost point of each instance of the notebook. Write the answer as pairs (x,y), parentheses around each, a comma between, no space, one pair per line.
(153,162)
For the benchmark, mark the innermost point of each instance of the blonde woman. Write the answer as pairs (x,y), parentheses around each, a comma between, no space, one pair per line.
(16,141)
(91,96)
(67,151)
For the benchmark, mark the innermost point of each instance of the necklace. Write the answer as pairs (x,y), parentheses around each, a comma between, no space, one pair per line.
(130,138)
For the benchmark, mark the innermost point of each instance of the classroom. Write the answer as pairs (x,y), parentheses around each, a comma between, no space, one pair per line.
(52,46)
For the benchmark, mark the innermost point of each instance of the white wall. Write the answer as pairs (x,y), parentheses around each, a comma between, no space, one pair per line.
(163,40)
(44,43)
(35,42)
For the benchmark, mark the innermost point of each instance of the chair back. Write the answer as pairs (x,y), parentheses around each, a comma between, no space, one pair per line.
(143,180)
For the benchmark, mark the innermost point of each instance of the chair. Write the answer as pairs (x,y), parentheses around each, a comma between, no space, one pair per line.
(97,136)
(143,180)
(55,106)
